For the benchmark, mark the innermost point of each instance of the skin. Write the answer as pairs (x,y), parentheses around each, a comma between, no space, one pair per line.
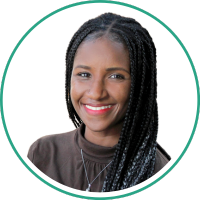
(101,76)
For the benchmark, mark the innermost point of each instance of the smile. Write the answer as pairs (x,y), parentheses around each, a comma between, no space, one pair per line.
(96,110)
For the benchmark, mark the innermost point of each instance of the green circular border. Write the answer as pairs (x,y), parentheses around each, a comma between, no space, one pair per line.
(122,4)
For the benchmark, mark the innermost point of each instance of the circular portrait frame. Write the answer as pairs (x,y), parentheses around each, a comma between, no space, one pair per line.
(49,33)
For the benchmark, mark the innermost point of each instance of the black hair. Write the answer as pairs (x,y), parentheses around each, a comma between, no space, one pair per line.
(134,157)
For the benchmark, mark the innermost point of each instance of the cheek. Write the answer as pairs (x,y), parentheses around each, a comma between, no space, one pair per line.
(121,92)
(75,92)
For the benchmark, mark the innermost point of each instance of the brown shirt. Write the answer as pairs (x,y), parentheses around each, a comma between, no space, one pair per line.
(59,157)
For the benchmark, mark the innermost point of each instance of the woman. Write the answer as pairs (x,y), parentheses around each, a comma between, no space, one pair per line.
(111,92)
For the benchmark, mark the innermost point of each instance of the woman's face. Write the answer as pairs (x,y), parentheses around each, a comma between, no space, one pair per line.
(100,84)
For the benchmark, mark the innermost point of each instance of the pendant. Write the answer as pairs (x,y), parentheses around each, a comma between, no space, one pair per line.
(88,189)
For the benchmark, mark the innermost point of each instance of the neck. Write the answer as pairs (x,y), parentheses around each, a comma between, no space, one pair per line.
(106,138)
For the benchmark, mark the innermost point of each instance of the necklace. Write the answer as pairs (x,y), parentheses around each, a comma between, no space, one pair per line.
(89,184)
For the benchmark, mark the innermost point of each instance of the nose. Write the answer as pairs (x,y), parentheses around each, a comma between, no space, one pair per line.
(97,90)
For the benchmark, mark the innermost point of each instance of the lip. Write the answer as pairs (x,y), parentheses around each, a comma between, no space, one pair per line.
(97,112)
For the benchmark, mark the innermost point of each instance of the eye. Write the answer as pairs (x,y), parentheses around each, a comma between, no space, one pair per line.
(117,76)
(84,75)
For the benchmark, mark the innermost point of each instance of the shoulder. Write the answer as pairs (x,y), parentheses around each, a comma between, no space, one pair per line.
(48,145)
(162,158)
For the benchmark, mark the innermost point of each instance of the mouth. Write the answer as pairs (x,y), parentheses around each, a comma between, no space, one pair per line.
(97,109)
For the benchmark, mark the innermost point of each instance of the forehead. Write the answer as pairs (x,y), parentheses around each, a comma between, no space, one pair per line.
(102,52)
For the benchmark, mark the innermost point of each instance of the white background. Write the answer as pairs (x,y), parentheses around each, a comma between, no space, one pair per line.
(37,71)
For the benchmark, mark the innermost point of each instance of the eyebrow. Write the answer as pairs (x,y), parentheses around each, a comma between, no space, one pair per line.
(108,69)
(83,66)
(117,68)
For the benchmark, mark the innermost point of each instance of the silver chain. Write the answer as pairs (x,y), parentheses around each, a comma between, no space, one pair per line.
(89,184)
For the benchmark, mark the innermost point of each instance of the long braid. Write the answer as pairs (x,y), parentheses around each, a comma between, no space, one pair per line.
(134,157)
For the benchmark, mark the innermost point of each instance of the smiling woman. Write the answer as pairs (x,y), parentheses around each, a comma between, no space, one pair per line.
(101,69)
(111,93)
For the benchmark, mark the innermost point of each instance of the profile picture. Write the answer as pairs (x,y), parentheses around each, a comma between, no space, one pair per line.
(98,100)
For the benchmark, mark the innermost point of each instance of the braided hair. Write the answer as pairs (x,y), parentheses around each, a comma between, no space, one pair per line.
(134,157)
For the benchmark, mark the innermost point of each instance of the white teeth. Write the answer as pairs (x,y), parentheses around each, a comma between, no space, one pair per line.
(98,108)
